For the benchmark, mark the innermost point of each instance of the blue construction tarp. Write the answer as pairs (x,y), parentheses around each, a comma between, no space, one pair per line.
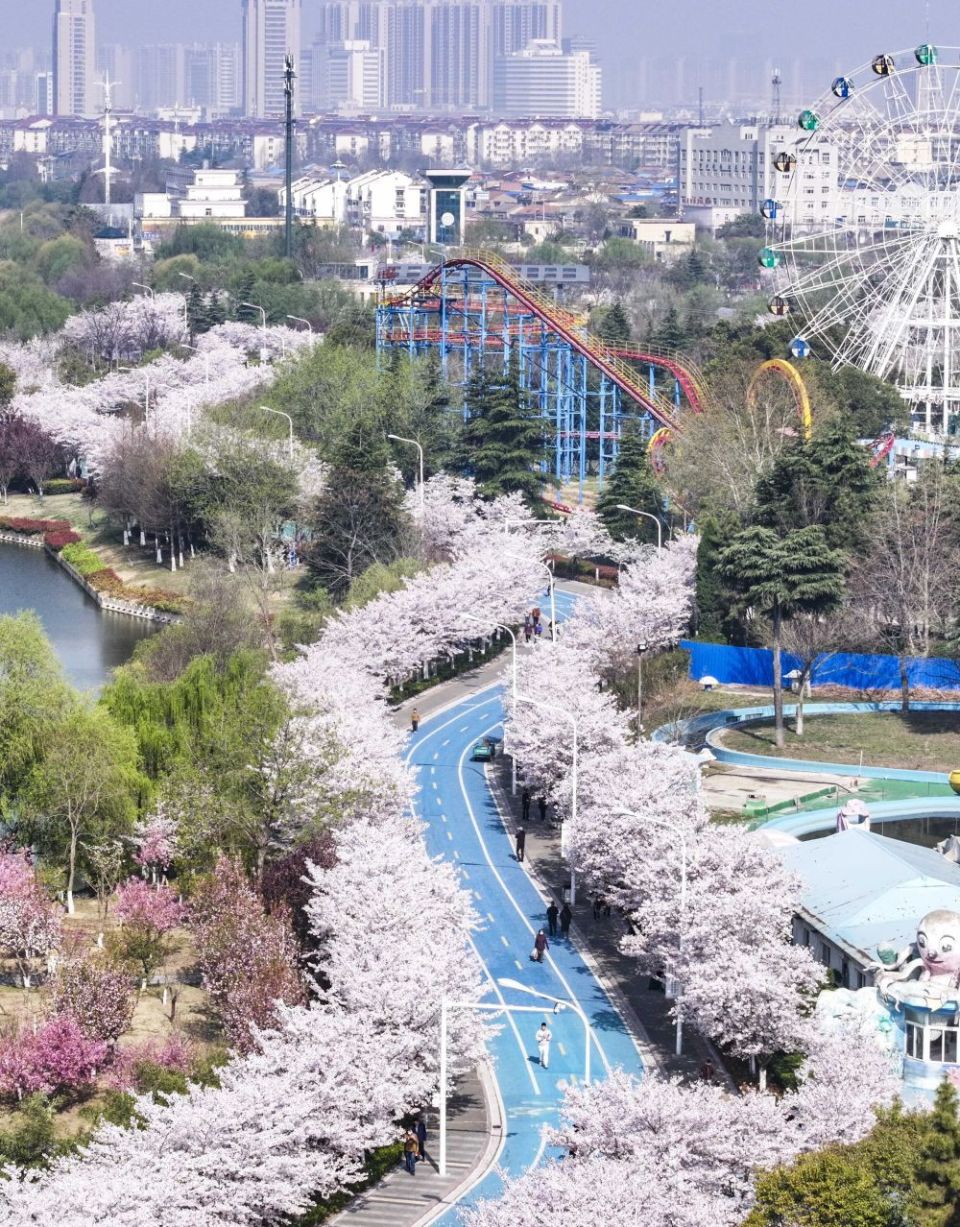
(754,667)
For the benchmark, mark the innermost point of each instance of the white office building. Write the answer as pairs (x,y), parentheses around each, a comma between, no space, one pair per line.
(74,58)
(731,169)
(545,80)
(271,31)
(351,76)
(194,195)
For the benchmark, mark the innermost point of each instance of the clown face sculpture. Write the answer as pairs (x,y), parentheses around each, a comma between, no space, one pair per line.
(938,944)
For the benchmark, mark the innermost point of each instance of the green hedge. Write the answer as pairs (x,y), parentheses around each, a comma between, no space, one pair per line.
(376,1167)
(82,558)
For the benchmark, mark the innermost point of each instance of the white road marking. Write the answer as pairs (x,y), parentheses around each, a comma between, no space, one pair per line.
(445,742)
(518,964)
(433,782)
(436,755)
(561,1050)
(490,917)
(505,941)
(456,854)
(444,817)
(450,836)
(464,728)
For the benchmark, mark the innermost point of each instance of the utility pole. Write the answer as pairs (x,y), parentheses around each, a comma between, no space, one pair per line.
(107,86)
(289,77)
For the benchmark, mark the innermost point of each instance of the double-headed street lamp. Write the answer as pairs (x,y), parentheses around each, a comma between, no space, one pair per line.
(564,839)
(647,516)
(280,414)
(513,651)
(676,829)
(559,1003)
(300,320)
(421,488)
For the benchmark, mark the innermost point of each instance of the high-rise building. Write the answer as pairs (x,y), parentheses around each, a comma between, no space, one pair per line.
(543,80)
(118,62)
(44,102)
(351,77)
(160,76)
(461,54)
(212,77)
(271,31)
(518,22)
(74,59)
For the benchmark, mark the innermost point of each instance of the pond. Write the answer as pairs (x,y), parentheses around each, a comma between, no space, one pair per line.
(88,642)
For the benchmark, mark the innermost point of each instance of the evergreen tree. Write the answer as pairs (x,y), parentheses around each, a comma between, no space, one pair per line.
(216,310)
(198,319)
(937,1182)
(615,326)
(779,576)
(503,443)
(716,622)
(632,484)
(669,333)
(244,291)
(826,481)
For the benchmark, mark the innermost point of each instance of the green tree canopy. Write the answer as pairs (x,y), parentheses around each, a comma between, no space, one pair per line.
(632,484)
(503,439)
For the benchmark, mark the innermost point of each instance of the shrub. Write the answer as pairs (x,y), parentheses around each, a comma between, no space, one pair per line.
(57,541)
(64,485)
(32,1139)
(82,558)
(31,528)
(153,1067)
(96,995)
(56,1057)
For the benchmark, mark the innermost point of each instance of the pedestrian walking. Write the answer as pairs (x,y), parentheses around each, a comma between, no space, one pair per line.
(543,1044)
(598,906)
(552,913)
(540,946)
(527,631)
(535,614)
(521,842)
(566,916)
(414,720)
(707,1070)
(543,808)
(410,1148)
(525,805)
(421,1137)
(537,631)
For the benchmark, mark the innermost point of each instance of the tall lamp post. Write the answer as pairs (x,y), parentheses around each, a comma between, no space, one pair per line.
(148,290)
(513,651)
(300,320)
(421,487)
(559,1003)
(564,839)
(647,516)
(186,302)
(254,306)
(678,831)
(641,648)
(553,604)
(280,414)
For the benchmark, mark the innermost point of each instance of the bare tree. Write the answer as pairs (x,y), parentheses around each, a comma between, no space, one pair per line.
(814,639)
(907,584)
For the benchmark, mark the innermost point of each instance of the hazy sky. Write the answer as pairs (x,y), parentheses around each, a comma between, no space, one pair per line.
(850,31)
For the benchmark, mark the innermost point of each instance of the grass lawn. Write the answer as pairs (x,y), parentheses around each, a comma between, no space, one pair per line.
(917,741)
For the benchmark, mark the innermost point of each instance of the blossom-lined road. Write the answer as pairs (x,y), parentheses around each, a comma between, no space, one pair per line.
(464,825)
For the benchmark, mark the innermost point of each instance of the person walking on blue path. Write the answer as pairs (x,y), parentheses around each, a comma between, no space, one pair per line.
(421,1137)
(525,805)
(552,913)
(411,1147)
(544,1037)
(540,946)
(521,842)
(566,916)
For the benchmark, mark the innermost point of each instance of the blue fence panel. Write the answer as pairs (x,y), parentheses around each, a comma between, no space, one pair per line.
(858,671)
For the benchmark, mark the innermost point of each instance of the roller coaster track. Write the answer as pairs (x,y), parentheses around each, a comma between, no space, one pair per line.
(613,362)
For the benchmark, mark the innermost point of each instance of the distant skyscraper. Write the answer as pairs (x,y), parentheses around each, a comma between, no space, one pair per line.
(271,30)
(74,61)
(211,77)
(118,62)
(160,76)
(546,81)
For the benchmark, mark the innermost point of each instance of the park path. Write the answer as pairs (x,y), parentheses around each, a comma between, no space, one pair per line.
(468,817)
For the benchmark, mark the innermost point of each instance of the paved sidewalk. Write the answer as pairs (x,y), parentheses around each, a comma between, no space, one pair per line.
(473,1139)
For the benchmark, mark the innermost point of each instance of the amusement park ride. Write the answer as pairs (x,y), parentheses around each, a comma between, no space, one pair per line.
(877,285)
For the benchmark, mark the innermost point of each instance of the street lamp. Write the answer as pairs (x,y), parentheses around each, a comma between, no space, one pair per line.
(280,414)
(263,323)
(300,320)
(147,289)
(414,443)
(647,516)
(553,605)
(513,648)
(559,1004)
(564,840)
(186,302)
(641,648)
(678,831)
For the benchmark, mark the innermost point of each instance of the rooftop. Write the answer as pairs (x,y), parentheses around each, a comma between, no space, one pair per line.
(864,889)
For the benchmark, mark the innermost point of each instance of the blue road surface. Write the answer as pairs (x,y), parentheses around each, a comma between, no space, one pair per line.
(465,827)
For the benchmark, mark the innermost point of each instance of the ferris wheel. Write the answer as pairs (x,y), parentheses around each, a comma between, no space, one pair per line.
(863,227)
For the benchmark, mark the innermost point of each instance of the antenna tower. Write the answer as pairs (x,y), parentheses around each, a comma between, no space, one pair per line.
(289,76)
(108,87)
(776,82)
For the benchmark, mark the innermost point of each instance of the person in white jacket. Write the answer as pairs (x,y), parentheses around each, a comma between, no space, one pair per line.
(543,1044)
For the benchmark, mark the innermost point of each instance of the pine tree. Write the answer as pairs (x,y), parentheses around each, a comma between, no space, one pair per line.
(198,319)
(216,310)
(669,333)
(937,1181)
(243,293)
(715,621)
(615,326)
(632,484)
(503,443)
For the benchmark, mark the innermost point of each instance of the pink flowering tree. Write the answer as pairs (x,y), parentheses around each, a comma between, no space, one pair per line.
(156,844)
(147,915)
(97,995)
(29,924)
(56,1057)
(249,958)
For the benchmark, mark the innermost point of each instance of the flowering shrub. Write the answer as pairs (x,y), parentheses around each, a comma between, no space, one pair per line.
(174,1053)
(156,838)
(29,923)
(149,907)
(55,1057)
(96,995)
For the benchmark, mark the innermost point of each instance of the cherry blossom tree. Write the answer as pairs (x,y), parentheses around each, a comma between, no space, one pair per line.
(29,924)
(147,914)
(156,843)
(249,959)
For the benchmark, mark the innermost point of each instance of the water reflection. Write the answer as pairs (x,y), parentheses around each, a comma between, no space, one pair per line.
(88,642)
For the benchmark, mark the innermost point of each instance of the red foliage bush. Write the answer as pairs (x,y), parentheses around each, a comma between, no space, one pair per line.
(30,528)
(56,541)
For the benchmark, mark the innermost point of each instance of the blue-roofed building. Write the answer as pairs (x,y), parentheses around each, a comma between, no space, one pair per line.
(864,897)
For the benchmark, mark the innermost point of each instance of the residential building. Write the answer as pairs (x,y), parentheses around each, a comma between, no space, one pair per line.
(731,168)
(271,32)
(544,80)
(161,80)
(460,55)
(196,195)
(212,77)
(350,76)
(45,96)
(74,58)
(516,23)
(665,239)
(382,201)
(119,64)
